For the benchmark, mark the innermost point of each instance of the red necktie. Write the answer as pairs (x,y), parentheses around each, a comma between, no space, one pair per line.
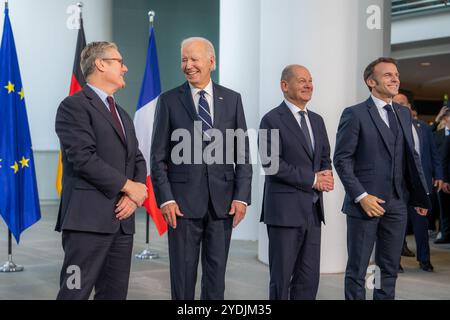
(112,109)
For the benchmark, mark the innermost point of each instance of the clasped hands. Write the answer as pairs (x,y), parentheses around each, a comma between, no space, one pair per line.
(134,196)
(325,181)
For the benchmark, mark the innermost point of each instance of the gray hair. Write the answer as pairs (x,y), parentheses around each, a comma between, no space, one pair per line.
(288,72)
(209,47)
(92,52)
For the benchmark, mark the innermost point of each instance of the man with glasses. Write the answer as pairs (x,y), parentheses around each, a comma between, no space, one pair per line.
(103,180)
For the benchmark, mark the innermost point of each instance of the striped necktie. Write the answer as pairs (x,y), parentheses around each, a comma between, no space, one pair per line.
(204,113)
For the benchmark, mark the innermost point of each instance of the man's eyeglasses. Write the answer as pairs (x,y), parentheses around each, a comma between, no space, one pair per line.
(115,59)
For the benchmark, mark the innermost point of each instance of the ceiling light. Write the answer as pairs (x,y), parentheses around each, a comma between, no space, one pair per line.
(425,64)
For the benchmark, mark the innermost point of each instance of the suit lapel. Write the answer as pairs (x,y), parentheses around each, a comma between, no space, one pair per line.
(288,118)
(126,128)
(419,131)
(315,130)
(218,106)
(100,107)
(187,101)
(379,123)
(405,125)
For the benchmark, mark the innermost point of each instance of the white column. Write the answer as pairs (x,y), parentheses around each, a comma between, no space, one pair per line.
(332,39)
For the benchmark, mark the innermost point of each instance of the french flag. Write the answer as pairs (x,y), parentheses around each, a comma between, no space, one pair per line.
(143,122)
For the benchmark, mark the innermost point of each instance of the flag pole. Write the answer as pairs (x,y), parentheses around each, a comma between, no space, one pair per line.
(147,254)
(6,4)
(9,265)
(80,5)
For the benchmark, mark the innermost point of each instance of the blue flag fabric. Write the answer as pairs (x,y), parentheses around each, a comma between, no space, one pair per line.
(19,201)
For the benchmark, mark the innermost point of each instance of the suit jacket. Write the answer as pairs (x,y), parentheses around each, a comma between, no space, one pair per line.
(363,157)
(446,159)
(193,182)
(96,164)
(439,138)
(429,154)
(288,194)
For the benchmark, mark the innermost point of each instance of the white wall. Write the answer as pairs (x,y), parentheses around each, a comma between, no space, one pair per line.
(418,28)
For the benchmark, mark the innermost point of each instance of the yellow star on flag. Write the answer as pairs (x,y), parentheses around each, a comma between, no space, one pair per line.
(21,94)
(15,167)
(10,87)
(24,162)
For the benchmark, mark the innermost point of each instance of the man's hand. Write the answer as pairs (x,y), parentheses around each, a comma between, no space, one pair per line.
(325,181)
(136,191)
(238,209)
(421,211)
(446,187)
(125,208)
(438,184)
(371,205)
(170,212)
(441,114)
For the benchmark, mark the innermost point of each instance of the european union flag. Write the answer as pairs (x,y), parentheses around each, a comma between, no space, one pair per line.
(19,201)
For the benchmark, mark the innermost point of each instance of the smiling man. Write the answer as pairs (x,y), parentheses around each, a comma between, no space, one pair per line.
(200,201)
(292,205)
(382,174)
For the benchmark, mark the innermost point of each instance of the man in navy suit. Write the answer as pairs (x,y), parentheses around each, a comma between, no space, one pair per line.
(292,205)
(432,169)
(201,198)
(103,180)
(380,171)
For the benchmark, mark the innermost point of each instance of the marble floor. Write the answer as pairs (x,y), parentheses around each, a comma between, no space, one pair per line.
(41,254)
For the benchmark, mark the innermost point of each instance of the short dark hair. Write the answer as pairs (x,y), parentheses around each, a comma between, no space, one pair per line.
(368,72)
(93,51)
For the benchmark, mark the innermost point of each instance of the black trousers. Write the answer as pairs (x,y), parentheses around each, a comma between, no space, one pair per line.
(211,237)
(387,233)
(294,259)
(95,260)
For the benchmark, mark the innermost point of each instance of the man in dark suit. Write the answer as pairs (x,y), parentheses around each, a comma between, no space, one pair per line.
(431,165)
(103,180)
(441,136)
(292,204)
(203,188)
(380,171)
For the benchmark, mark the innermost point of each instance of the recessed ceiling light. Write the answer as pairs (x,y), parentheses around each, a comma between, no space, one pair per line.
(425,64)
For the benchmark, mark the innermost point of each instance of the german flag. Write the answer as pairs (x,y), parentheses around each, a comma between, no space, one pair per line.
(76,84)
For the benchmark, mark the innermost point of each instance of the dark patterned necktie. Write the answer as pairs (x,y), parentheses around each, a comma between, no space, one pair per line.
(305,131)
(112,109)
(204,113)
(392,119)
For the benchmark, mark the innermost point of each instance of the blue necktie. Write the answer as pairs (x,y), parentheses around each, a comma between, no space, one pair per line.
(204,113)
(392,120)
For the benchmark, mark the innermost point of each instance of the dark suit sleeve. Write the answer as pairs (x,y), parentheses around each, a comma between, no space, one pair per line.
(325,161)
(159,154)
(79,143)
(346,145)
(299,177)
(243,169)
(438,174)
(446,159)
(140,165)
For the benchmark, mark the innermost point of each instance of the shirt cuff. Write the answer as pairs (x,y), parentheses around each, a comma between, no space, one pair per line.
(244,203)
(166,203)
(315,180)
(358,199)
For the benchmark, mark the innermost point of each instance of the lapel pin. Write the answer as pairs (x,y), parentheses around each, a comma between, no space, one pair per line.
(220,98)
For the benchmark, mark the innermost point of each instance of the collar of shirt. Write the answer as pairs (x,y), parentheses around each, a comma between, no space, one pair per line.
(196,91)
(101,94)
(294,109)
(380,103)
